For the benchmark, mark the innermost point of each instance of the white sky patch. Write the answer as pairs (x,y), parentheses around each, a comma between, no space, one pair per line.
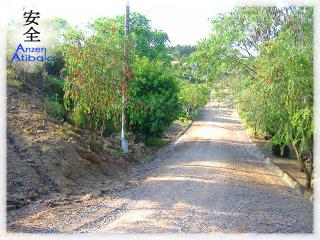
(186,22)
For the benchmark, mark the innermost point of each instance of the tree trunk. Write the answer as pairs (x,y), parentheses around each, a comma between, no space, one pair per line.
(303,167)
(309,174)
(92,132)
(298,154)
(101,140)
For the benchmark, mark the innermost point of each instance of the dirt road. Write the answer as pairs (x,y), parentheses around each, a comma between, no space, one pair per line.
(212,181)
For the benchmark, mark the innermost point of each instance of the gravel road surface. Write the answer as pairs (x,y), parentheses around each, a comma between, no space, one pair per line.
(211,179)
(214,180)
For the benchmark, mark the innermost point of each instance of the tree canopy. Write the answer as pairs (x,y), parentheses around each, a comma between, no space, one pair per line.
(264,57)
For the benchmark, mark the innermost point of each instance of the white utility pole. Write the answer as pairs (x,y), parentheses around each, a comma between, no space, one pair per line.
(124,141)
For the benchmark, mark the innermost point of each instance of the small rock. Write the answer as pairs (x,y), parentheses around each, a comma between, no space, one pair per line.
(30,162)
(14,202)
(92,157)
(18,197)
(106,143)
(50,203)
(141,145)
(87,197)
(73,135)
(91,195)
(11,207)
(97,193)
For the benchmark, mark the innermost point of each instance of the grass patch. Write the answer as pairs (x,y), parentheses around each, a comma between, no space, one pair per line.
(54,108)
(15,83)
(183,121)
(156,142)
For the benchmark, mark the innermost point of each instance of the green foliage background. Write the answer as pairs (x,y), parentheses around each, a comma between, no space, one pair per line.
(262,57)
(259,59)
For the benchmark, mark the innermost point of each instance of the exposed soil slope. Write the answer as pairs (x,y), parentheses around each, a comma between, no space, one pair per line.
(45,156)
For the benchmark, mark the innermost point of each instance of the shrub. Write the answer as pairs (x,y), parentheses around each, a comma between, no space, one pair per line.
(154,101)
(94,73)
(54,108)
(156,142)
(191,97)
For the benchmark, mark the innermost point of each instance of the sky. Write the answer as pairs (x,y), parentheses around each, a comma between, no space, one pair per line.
(186,22)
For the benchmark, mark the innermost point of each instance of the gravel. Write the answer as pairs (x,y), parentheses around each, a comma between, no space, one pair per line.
(211,179)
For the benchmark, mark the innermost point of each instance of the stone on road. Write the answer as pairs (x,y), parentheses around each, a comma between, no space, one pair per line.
(213,181)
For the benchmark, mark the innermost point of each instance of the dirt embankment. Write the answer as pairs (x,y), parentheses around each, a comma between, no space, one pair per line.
(46,157)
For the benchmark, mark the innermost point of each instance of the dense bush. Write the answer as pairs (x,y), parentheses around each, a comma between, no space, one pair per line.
(94,68)
(191,97)
(54,108)
(153,97)
(54,68)
(265,58)
(53,87)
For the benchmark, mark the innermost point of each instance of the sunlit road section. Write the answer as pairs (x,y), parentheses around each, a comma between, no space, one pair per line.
(213,181)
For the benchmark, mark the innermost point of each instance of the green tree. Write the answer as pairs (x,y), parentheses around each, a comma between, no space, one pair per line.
(192,96)
(180,51)
(153,103)
(263,56)
(146,42)
(94,68)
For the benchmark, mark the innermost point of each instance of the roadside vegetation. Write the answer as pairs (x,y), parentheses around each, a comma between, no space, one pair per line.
(64,117)
(64,154)
(262,59)
(84,86)
(259,58)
